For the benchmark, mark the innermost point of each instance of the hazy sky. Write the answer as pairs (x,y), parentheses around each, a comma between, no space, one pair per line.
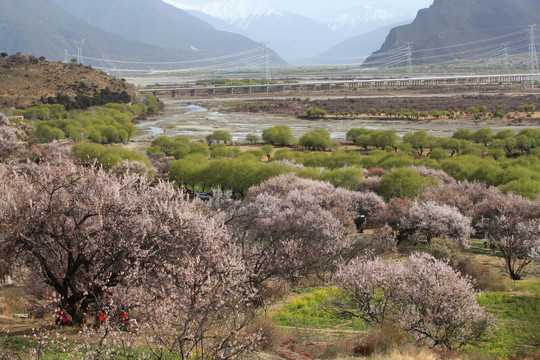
(318,8)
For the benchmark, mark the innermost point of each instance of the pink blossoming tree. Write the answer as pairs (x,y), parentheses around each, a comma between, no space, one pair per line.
(425,296)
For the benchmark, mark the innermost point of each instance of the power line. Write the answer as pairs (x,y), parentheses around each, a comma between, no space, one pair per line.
(212,59)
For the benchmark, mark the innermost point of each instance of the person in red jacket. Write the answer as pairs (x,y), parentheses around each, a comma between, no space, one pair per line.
(101,319)
(62,319)
(127,321)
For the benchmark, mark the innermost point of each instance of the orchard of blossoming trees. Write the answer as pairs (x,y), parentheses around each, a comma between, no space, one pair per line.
(197,273)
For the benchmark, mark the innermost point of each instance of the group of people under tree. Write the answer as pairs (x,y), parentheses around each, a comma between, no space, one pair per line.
(121,320)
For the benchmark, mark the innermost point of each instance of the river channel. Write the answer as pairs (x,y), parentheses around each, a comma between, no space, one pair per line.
(195,120)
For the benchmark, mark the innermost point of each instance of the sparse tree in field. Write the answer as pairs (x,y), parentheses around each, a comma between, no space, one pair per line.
(342,203)
(462,134)
(189,170)
(438,153)
(370,205)
(513,223)
(315,113)
(193,291)
(454,145)
(527,108)
(370,183)
(483,136)
(419,140)
(425,296)
(318,139)
(252,138)
(74,60)
(364,140)
(219,136)
(404,183)
(393,215)
(385,139)
(79,229)
(278,135)
(430,220)
(353,133)
(465,196)
(290,227)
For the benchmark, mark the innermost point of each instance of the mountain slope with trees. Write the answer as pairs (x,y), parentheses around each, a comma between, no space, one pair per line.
(461,29)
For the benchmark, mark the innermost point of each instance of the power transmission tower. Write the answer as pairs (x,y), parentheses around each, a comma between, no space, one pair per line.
(79,45)
(66,56)
(409,59)
(533,59)
(506,64)
(267,62)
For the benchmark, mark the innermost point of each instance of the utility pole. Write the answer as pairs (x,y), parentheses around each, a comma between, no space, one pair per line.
(409,59)
(533,59)
(79,45)
(267,62)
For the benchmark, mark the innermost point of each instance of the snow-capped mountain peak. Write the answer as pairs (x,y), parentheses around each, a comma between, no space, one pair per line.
(368,17)
(239,13)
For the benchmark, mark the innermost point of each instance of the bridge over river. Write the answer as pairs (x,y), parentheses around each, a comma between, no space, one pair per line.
(349,85)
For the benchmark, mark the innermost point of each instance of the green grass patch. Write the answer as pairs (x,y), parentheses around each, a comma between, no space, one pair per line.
(308,311)
(518,321)
(58,348)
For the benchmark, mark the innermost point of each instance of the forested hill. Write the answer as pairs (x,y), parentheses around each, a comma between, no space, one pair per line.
(461,29)
(42,28)
(26,81)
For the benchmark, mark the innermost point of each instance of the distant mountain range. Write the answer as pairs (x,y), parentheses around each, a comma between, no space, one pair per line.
(453,30)
(123,33)
(369,17)
(295,37)
(227,34)
(290,35)
(158,23)
(42,28)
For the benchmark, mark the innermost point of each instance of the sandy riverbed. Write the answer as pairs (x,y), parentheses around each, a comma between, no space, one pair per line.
(198,118)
